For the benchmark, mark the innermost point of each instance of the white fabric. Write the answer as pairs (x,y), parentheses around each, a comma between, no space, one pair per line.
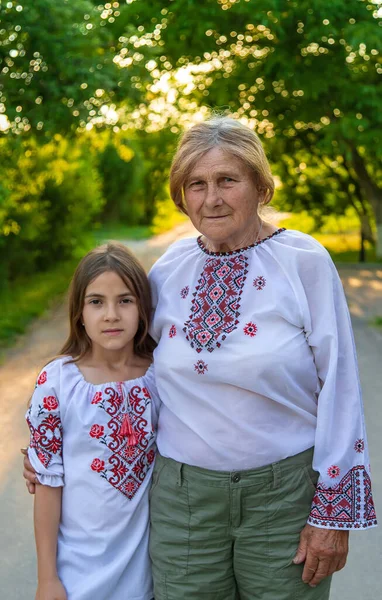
(283,380)
(103,537)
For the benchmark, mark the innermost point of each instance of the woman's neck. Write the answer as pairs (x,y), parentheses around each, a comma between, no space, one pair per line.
(251,236)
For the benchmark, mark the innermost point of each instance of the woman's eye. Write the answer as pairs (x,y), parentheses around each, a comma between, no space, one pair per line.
(126,300)
(95,302)
(196,184)
(228,180)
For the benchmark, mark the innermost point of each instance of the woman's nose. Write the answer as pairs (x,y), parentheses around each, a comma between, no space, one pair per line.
(212,197)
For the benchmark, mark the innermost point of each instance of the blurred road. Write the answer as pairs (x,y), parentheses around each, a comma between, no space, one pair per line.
(361,579)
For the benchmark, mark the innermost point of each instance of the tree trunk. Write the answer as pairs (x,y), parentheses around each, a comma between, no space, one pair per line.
(372,192)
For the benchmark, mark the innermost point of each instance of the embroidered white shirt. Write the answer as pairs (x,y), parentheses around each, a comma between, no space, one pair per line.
(256,363)
(76,442)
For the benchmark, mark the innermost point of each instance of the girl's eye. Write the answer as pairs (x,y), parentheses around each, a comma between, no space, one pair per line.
(126,300)
(95,301)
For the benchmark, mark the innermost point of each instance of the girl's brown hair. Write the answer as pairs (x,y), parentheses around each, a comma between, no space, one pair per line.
(115,257)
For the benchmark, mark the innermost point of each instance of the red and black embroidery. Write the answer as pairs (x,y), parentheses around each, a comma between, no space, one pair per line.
(334,471)
(349,504)
(250,329)
(215,307)
(201,367)
(259,282)
(359,446)
(128,465)
(184,292)
(172,332)
(97,398)
(46,439)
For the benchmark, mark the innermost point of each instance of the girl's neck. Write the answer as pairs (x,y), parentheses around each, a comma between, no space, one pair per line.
(101,367)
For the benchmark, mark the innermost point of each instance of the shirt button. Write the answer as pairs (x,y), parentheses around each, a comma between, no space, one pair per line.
(235,478)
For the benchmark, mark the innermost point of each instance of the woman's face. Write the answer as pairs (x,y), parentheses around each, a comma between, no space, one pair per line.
(221,197)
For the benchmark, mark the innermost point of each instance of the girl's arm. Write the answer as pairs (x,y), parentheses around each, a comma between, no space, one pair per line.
(47,512)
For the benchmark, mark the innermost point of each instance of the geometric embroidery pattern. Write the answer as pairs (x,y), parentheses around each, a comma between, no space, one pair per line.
(349,504)
(127,465)
(215,307)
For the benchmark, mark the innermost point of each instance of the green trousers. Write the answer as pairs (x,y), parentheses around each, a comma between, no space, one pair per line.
(217,535)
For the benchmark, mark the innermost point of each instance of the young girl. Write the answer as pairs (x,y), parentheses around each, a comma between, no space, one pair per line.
(92,420)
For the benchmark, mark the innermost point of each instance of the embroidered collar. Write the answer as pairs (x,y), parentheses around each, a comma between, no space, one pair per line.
(231,252)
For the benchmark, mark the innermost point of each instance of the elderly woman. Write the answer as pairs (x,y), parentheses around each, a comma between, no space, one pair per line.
(263,465)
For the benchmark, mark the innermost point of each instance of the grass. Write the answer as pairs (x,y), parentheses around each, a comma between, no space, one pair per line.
(378,321)
(344,247)
(28,297)
(118,231)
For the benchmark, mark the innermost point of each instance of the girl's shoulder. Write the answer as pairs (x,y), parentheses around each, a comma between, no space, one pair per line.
(53,372)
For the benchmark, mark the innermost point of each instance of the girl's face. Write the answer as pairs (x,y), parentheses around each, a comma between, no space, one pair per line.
(110,314)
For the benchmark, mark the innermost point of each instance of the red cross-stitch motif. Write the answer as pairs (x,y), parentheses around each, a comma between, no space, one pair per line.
(215,307)
(349,504)
(127,465)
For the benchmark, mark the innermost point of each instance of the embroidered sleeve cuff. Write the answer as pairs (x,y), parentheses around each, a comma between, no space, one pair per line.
(53,477)
(346,505)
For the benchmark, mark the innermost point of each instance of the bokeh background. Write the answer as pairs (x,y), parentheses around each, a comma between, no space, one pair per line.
(94,95)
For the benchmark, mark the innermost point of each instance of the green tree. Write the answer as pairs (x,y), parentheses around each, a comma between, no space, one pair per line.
(57,67)
(292,68)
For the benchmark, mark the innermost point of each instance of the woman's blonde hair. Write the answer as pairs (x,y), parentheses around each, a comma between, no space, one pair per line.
(230,136)
(115,257)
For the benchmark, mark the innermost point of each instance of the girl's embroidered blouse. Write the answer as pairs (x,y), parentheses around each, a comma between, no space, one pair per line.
(256,362)
(78,442)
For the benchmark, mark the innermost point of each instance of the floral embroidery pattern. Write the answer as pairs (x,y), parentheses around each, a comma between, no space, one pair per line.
(215,307)
(201,367)
(42,378)
(97,398)
(50,403)
(127,466)
(259,283)
(46,439)
(349,504)
(184,292)
(333,471)
(97,431)
(250,329)
(172,332)
(359,446)
(98,465)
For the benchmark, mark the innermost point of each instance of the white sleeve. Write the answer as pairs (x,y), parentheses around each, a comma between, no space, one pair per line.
(44,421)
(343,498)
(153,391)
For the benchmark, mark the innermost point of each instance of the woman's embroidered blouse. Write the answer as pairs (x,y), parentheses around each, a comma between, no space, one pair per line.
(98,442)
(256,362)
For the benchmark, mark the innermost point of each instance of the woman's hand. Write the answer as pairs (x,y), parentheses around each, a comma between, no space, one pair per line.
(51,589)
(29,473)
(324,552)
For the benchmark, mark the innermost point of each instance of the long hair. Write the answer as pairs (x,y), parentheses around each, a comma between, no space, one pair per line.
(115,257)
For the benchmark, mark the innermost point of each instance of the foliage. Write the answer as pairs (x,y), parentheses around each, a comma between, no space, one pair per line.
(57,67)
(28,298)
(52,196)
(304,74)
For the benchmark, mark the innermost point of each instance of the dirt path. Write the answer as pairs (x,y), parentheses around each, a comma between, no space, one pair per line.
(363,287)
